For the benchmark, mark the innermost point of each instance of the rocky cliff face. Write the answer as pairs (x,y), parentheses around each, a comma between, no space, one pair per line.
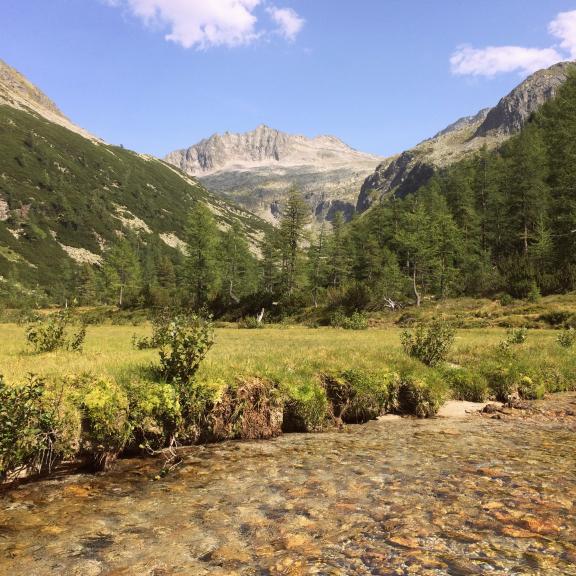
(258,168)
(405,173)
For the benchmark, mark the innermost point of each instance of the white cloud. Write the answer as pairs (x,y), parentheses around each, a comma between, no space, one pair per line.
(493,60)
(288,21)
(207,23)
(500,59)
(564,28)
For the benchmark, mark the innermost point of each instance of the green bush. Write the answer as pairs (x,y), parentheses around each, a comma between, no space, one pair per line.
(51,333)
(356,321)
(420,393)
(467,385)
(506,300)
(189,340)
(566,338)
(155,414)
(105,418)
(38,428)
(528,389)
(516,335)
(429,342)
(305,408)
(356,396)
(160,332)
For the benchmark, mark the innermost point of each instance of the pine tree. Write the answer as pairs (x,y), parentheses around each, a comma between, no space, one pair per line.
(122,272)
(337,252)
(295,217)
(201,267)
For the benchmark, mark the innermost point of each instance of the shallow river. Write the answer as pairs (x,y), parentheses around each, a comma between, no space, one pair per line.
(457,497)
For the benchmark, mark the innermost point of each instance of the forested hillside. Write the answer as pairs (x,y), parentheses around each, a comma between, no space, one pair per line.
(70,205)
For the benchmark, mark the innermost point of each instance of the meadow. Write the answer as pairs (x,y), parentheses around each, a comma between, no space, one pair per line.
(290,354)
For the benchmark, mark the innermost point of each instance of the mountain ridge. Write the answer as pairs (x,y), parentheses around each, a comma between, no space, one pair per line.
(257,168)
(404,173)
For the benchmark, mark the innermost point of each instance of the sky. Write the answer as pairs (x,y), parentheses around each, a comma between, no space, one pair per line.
(382,75)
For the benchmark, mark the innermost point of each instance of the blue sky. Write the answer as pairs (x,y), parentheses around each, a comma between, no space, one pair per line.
(156,75)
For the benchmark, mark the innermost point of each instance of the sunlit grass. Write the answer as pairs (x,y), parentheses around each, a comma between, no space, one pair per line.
(292,355)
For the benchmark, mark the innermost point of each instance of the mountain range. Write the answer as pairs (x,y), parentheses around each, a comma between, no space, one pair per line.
(258,168)
(66,195)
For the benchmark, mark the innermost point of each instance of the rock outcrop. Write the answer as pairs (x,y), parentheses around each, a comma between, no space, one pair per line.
(258,168)
(405,173)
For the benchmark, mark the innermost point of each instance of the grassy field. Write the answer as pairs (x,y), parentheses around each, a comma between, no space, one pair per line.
(292,354)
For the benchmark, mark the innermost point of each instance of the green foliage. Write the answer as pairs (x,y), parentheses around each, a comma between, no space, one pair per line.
(506,300)
(51,333)
(516,336)
(305,408)
(155,414)
(530,390)
(105,418)
(356,321)
(430,343)
(38,428)
(467,385)
(160,332)
(189,340)
(566,338)
(418,393)
(356,396)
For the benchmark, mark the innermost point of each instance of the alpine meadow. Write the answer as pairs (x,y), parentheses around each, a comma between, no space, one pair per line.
(269,352)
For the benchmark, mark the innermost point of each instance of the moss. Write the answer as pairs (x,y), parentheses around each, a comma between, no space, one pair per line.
(418,393)
(357,396)
(305,408)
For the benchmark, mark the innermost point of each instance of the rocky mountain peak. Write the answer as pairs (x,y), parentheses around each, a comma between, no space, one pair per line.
(512,112)
(258,168)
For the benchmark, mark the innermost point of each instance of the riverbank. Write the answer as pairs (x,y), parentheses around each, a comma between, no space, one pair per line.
(460,496)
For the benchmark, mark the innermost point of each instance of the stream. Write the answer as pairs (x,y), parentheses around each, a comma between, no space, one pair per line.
(393,497)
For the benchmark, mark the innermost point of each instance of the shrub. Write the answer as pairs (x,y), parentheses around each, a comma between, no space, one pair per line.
(155,413)
(555,317)
(356,321)
(38,428)
(252,409)
(105,418)
(516,335)
(429,343)
(250,323)
(534,294)
(530,390)
(419,393)
(566,338)
(189,340)
(356,396)
(467,385)
(50,334)
(305,408)
(160,332)
(506,300)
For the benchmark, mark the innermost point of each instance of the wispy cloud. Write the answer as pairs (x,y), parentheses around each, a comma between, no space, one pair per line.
(493,60)
(204,24)
(288,22)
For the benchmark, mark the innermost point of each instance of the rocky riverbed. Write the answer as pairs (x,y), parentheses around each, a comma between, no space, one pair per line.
(487,494)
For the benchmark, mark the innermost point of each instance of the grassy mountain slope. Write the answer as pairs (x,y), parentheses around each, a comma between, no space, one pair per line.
(65,198)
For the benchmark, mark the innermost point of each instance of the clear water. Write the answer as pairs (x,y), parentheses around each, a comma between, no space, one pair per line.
(456,497)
